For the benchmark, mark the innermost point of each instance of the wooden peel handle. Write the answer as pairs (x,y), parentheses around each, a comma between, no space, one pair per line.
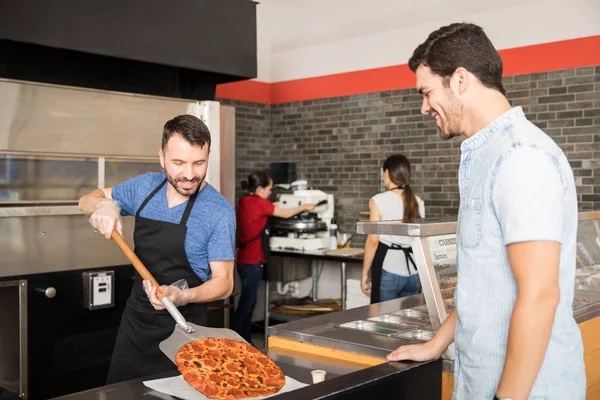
(137,263)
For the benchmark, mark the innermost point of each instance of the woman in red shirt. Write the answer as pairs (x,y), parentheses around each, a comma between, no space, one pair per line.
(253,212)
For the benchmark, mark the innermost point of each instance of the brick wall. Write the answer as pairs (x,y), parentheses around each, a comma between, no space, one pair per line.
(340,143)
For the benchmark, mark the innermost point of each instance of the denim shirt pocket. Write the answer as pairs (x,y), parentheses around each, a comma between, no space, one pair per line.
(469,223)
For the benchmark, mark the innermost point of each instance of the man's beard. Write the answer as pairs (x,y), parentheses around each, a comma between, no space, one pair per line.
(454,115)
(451,129)
(185,192)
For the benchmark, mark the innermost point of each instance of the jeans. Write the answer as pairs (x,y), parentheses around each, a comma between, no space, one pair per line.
(395,286)
(251,275)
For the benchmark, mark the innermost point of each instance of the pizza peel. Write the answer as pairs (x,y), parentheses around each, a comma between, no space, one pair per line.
(184,331)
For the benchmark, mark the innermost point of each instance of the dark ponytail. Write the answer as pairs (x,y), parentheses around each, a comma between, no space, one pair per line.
(398,168)
(255,180)
(411,205)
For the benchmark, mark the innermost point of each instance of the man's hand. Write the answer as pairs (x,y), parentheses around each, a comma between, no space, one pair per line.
(107,217)
(429,350)
(178,293)
(416,352)
(365,285)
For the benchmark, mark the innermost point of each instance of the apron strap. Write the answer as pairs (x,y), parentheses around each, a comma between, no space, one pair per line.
(408,252)
(188,208)
(151,195)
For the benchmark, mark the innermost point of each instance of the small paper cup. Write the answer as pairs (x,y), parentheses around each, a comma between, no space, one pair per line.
(318,375)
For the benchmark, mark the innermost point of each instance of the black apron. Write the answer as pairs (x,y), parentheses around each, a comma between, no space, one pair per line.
(161,247)
(377,266)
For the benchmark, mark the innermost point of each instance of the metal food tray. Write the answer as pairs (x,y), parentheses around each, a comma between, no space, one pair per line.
(396,320)
(377,328)
(421,308)
(413,313)
(415,334)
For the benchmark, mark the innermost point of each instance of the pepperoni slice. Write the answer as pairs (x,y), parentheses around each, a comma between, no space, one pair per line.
(248,360)
(210,363)
(234,392)
(232,355)
(211,390)
(197,348)
(185,356)
(233,381)
(215,378)
(232,368)
(190,377)
(263,360)
(252,369)
(210,343)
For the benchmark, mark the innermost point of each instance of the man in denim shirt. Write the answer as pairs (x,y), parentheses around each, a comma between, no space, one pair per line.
(513,326)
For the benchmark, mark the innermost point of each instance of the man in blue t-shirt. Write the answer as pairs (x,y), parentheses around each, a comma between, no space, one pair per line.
(185,236)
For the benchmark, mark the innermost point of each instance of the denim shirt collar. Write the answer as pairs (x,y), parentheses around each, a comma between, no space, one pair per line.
(500,123)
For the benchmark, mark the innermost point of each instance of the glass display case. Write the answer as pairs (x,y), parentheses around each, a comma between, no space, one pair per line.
(434,246)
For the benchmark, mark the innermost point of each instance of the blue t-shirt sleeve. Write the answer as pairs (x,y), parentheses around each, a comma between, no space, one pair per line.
(528,196)
(126,194)
(222,241)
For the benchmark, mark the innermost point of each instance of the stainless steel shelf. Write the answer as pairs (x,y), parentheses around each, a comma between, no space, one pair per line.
(39,209)
(429,227)
(423,227)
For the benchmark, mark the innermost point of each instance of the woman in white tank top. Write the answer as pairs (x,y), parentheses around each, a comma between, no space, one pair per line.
(389,259)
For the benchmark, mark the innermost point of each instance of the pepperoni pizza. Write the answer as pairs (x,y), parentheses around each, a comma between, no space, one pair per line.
(228,369)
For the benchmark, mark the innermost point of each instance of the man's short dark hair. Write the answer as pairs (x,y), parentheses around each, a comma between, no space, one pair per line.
(191,128)
(460,45)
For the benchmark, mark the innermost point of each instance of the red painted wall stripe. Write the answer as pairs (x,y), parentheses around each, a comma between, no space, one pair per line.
(253,91)
(574,53)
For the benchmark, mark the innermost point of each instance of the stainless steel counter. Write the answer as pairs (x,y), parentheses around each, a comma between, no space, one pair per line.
(323,330)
